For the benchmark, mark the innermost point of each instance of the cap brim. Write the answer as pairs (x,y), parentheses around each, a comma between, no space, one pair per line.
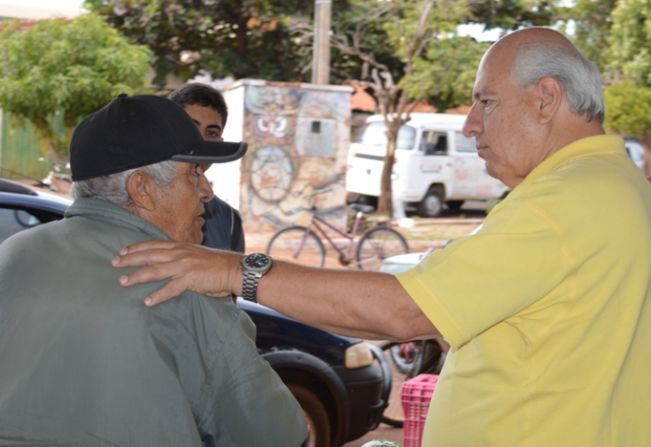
(213,152)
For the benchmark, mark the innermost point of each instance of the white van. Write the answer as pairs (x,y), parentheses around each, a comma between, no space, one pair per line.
(435,164)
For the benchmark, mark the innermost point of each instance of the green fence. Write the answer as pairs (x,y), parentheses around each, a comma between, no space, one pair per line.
(20,156)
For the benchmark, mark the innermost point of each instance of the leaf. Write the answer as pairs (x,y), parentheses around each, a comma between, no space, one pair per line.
(59,71)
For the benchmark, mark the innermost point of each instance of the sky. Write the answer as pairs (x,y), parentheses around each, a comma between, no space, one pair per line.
(63,4)
(57,7)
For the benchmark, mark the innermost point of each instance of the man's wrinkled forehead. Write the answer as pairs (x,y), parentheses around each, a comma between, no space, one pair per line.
(496,66)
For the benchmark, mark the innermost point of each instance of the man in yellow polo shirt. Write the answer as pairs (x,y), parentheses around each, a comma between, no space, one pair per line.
(547,308)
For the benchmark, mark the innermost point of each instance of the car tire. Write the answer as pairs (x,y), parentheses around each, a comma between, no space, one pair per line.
(316,415)
(431,205)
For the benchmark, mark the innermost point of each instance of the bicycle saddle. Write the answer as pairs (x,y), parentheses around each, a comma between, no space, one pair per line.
(362,208)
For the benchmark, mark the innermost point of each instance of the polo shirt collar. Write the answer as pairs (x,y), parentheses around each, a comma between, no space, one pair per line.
(597,144)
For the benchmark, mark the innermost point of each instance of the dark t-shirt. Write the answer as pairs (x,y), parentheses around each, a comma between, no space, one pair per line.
(223,227)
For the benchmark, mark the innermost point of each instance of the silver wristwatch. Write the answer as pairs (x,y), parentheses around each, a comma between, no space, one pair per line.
(254,267)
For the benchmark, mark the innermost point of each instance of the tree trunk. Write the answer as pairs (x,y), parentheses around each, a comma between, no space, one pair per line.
(385,201)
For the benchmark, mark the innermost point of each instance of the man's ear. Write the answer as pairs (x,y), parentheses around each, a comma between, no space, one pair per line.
(141,191)
(550,96)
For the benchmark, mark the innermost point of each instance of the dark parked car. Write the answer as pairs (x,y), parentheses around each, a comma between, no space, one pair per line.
(342,383)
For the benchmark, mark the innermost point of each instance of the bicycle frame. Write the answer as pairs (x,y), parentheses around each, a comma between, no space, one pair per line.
(318,223)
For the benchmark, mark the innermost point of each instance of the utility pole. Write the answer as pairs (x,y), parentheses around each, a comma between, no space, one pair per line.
(321,49)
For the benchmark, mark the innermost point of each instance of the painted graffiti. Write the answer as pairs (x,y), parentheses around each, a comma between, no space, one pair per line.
(298,140)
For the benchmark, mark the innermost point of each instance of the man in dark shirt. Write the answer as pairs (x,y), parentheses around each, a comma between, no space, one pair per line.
(207,108)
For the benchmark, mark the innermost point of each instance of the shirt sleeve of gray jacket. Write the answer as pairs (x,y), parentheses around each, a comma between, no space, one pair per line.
(236,397)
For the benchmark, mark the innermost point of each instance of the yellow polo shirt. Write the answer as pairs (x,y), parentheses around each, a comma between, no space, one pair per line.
(547,309)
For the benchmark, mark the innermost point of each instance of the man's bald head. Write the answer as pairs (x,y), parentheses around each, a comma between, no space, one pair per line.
(536,53)
(534,94)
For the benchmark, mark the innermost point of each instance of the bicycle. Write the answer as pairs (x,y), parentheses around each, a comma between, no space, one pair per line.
(303,245)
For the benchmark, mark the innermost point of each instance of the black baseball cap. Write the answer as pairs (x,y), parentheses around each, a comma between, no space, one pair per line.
(135,131)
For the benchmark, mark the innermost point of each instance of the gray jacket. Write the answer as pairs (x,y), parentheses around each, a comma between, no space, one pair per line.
(84,363)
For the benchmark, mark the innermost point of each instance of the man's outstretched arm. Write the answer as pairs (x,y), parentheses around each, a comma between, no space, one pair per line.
(364,304)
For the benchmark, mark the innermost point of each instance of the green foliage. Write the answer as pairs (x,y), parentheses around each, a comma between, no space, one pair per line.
(592,21)
(362,26)
(513,14)
(391,38)
(225,38)
(443,74)
(630,41)
(443,19)
(446,74)
(628,109)
(64,70)
(628,69)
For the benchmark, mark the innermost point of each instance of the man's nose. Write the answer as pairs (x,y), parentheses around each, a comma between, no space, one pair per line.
(472,126)
(205,190)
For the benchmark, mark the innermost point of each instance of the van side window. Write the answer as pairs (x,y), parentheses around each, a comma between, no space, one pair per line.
(464,145)
(434,143)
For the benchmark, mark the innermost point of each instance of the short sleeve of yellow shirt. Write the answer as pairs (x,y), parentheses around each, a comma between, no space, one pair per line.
(531,243)
(483,279)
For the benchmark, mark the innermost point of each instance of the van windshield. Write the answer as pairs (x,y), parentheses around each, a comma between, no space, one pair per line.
(374,134)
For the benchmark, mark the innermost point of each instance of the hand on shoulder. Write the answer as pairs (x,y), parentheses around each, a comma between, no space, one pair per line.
(188,266)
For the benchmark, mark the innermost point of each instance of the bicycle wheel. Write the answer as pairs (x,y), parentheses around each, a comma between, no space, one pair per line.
(297,244)
(378,244)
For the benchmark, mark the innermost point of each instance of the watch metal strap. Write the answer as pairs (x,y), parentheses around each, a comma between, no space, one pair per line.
(250,286)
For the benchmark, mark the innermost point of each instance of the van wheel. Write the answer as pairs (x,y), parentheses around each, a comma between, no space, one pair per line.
(431,205)
(454,204)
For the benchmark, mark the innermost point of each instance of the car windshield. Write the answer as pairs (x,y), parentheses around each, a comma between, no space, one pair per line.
(374,134)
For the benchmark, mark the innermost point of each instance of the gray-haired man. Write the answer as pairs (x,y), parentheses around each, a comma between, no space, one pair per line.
(83,362)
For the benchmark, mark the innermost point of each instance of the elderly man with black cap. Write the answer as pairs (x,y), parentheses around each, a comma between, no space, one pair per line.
(83,362)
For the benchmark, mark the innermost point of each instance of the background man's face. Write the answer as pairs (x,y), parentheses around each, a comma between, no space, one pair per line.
(209,122)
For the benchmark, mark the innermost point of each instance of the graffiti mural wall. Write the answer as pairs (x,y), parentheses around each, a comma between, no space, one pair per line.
(298,136)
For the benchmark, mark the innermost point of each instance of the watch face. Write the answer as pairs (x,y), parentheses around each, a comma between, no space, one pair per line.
(257,261)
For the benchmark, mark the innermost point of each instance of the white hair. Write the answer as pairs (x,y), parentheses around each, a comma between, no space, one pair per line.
(578,76)
(113,188)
